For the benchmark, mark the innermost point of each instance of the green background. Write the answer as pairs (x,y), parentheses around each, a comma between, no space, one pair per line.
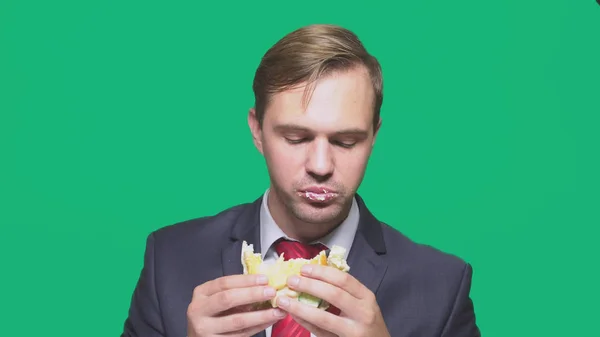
(117,118)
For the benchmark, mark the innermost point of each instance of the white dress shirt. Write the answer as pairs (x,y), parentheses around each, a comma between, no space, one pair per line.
(342,236)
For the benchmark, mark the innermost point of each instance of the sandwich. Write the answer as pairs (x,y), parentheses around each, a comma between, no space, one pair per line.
(279,270)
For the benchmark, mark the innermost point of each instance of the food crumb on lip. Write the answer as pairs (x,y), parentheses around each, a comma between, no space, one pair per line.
(319,196)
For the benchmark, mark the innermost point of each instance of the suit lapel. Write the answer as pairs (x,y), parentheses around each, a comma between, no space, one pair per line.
(365,265)
(365,262)
(246,228)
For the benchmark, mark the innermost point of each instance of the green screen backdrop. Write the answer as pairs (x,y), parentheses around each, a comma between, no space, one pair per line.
(116,118)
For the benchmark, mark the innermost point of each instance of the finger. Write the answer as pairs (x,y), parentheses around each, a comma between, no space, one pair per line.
(336,277)
(230,282)
(246,322)
(315,330)
(325,291)
(315,316)
(232,298)
(236,310)
(248,332)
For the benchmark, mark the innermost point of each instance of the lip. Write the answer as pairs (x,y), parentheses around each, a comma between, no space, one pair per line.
(318,194)
(318,190)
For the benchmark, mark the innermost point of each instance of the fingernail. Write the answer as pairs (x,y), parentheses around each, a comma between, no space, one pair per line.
(293,280)
(262,279)
(307,269)
(283,301)
(279,313)
(269,292)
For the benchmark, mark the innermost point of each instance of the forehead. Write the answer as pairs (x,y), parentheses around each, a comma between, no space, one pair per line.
(339,100)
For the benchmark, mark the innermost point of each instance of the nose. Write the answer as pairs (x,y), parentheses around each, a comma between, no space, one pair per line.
(320,162)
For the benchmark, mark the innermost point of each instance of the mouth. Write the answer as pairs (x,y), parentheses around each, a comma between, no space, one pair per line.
(318,194)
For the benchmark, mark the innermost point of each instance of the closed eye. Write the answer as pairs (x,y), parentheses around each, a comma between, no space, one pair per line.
(295,140)
(346,144)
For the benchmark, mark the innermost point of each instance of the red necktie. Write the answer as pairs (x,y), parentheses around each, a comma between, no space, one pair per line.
(287,327)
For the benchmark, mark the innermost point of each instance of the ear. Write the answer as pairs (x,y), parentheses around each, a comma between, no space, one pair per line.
(255,129)
(376,131)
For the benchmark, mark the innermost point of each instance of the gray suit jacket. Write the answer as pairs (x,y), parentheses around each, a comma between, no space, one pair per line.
(420,290)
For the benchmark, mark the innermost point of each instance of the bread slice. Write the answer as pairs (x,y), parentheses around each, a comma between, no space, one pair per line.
(279,270)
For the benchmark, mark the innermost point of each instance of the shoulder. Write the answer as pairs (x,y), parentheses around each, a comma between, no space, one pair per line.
(424,286)
(197,230)
(421,283)
(424,262)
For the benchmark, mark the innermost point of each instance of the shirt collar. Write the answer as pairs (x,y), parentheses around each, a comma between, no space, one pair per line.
(343,235)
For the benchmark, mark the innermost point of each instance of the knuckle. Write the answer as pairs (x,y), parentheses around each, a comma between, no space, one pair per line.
(237,323)
(370,317)
(190,312)
(225,298)
(266,316)
(222,282)
(325,320)
(370,297)
(360,331)
(193,308)
(197,291)
(338,293)
(258,293)
(197,325)
(344,280)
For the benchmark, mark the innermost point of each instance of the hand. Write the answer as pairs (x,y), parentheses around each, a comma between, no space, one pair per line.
(360,315)
(224,306)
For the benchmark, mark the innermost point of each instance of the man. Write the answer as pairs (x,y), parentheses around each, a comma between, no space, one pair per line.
(318,94)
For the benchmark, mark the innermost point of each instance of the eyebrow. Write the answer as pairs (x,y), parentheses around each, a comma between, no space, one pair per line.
(296,127)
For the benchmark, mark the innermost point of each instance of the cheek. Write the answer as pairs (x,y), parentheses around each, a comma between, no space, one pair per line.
(278,152)
(283,161)
(352,165)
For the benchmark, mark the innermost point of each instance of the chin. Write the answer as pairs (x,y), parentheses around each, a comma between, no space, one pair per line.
(317,214)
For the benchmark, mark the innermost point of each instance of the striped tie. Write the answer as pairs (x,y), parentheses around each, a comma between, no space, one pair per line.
(287,327)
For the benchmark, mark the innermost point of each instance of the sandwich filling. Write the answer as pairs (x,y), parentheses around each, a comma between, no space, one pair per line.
(279,270)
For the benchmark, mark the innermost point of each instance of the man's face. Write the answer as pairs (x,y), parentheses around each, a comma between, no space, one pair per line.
(317,154)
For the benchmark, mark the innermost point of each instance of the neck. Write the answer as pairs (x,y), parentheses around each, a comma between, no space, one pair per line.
(297,229)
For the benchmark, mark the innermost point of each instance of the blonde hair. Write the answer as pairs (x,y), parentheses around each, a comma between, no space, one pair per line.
(307,54)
